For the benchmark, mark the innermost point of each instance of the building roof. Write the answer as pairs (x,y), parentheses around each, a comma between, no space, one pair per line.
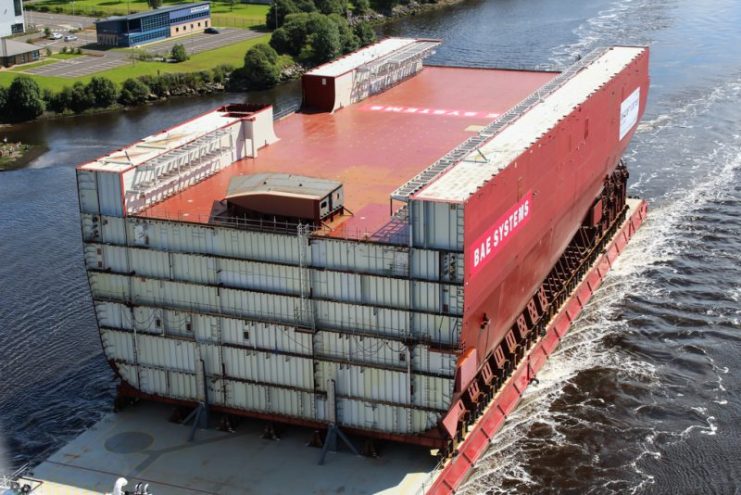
(10,48)
(286,184)
(459,182)
(160,10)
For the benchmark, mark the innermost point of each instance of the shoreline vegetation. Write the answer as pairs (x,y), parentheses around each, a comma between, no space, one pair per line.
(306,33)
(18,155)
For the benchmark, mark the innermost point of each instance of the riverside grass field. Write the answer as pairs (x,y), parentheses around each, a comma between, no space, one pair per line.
(223,13)
(231,54)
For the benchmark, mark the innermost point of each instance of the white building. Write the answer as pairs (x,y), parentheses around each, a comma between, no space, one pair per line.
(11,17)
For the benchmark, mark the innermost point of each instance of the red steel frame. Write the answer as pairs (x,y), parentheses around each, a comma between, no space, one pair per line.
(478,438)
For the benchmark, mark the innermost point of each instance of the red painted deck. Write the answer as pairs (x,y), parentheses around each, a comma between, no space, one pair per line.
(373,146)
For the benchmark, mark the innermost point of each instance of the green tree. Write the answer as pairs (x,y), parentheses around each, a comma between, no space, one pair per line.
(3,102)
(221,73)
(61,101)
(306,6)
(280,41)
(102,91)
(365,33)
(323,44)
(331,6)
(348,40)
(155,4)
(133,92)
(361,7)
(295,32)
(178,53)
(278,11)
(24,100)
(79,98)
(260,70)
(384,5)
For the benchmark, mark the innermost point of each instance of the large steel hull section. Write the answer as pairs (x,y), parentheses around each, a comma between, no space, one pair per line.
(455,471)
(563,172)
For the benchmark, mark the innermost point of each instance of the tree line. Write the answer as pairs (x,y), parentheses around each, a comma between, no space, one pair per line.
(310,38)
(24,100)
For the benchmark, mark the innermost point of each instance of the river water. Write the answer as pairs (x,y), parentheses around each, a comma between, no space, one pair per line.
(642,397)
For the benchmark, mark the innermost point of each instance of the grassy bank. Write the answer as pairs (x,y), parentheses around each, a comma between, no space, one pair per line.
(230,54)
(230,15)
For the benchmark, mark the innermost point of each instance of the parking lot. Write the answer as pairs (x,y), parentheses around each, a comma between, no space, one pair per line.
(108,59)
(79,66)
(57,22)
(202,42)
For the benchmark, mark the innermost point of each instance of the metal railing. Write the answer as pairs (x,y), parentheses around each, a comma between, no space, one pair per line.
(471,144)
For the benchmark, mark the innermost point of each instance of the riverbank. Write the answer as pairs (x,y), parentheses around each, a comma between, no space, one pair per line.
(17,155)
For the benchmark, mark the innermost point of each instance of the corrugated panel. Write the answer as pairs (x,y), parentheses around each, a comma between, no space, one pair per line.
(363,289)
(113,315)
(394,419)
(179,323)
(435,392)
(87,191)
(211,356)
(362,382)
(153,381)
(431,361)
(349,287)
(437,225)
(107,285)
(365,318)
(118,345)
(223,241)
(359,257)
(259,276)
(426,296)
(90,227)
(254,397)
(360,349)
(436,328)
(426,264)
(384,321)
(113,230)
(271,336)
(181,386)
(128,374)
(261,305)
(168,353)
(269,368)
(195,269)
(110,197)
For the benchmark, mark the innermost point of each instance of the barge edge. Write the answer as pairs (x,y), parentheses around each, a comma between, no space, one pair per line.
(454,473)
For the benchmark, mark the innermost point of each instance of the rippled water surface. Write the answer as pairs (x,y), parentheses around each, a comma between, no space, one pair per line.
(642,397)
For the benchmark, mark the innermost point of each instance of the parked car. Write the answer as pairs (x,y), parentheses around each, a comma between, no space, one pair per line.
(70,37)
(211,31)
(55,36)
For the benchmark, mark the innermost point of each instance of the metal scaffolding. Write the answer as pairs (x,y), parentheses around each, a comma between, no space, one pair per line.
(375,76)
(473,143)
(189,158)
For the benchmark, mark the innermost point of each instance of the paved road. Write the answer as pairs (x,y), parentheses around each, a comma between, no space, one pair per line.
(84,39)
(58,22)
(86,65)
(202,42)
(79,66)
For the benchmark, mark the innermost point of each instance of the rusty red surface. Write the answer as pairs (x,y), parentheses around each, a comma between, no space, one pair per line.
(373,146)
(474,445)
